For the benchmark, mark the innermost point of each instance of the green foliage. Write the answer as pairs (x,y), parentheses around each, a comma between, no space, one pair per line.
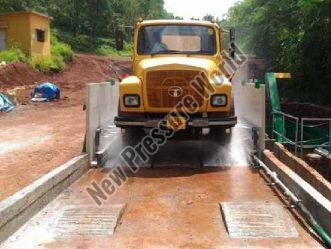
(109,50)
(82,43)
(43,64)
(62,50)
(11,55)
(106,50)
(101,45)
(291,35)
(58,63)
(48,63)
(81,23)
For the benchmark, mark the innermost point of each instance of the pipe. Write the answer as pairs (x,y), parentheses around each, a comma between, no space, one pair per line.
(295,201)
(273,176)
(291,197)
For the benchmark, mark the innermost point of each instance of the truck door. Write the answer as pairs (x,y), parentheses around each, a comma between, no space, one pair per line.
(2,39)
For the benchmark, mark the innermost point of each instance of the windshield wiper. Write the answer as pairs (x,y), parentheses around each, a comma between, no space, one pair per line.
(173,52)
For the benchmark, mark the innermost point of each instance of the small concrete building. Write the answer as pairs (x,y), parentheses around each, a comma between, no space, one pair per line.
(29,31)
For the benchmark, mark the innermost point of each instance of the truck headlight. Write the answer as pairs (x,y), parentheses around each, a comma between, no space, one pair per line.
(131,100)
(219,100)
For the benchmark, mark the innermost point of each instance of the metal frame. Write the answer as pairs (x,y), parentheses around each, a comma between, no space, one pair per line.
(100,97)
(302,146)
(283,136)
(299,144)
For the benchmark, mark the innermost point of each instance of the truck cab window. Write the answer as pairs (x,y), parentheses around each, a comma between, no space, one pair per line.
(176,39)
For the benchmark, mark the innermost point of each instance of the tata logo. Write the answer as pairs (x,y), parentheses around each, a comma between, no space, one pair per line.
(175,91)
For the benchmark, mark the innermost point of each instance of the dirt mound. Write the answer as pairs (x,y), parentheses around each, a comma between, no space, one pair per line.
(84,69)
(89,69)
(18,74)
(121,65)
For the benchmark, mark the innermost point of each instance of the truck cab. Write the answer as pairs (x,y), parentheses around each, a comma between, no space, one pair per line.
(176,78)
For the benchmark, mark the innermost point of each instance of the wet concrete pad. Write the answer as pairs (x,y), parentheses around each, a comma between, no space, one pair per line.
(257,220)
(89,220)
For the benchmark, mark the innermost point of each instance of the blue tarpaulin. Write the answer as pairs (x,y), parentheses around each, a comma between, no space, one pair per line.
(46,92)
(5,104)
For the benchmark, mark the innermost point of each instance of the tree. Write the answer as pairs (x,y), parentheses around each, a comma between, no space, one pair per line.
(291,35)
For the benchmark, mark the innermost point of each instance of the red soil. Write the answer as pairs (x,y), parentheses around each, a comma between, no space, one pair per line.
(36,138)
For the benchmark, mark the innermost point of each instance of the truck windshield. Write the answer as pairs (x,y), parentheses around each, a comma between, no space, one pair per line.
(176,39)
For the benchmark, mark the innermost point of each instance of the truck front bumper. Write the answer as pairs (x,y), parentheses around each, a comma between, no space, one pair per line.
(198,122)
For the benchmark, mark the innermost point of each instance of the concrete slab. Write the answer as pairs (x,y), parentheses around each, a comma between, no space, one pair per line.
(257,220)
(166,208)
(20,207)
(89,220)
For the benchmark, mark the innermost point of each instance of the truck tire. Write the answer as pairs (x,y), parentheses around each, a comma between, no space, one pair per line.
(132,134)
(220,134)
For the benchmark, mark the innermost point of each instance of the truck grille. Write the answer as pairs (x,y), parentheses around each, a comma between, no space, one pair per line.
(166,88)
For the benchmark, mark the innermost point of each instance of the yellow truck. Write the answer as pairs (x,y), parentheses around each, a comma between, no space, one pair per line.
(176,62)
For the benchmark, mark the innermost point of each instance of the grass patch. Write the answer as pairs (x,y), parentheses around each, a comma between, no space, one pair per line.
(48,63)
(62,50)
(107,50)
(12,55)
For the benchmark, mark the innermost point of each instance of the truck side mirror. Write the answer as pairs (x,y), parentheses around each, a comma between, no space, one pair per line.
(119,39)
(232,48)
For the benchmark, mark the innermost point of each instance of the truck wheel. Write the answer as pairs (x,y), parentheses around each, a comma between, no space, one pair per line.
(130,135)
(197,133)
(221,134)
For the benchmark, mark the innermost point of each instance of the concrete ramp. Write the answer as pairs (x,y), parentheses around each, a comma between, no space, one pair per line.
(166,208)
